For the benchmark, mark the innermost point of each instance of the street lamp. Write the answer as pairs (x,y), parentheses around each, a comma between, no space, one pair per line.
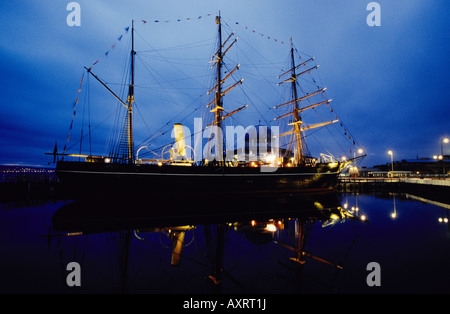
(392,159)
(360,151)
(444,140)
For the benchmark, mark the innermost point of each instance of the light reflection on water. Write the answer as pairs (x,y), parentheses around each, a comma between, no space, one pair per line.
(320,245)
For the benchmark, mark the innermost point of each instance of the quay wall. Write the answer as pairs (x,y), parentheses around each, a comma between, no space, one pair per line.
(433,189)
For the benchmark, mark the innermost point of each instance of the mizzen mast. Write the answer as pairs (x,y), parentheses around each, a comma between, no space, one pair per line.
(297,119)
(218,98)
(297,122)
(130,101)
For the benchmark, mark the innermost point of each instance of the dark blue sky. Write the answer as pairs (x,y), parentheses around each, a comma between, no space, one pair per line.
(389,84)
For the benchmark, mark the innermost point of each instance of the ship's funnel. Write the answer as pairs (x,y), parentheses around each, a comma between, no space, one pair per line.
(180,143)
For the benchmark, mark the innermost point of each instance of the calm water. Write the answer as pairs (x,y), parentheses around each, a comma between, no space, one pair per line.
(233,254)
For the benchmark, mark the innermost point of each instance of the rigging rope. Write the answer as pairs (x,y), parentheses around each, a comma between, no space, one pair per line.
(152,71)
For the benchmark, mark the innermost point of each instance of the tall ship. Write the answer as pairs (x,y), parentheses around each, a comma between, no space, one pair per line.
(258,166)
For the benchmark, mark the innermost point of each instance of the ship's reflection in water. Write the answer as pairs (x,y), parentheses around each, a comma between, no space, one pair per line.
(244,244)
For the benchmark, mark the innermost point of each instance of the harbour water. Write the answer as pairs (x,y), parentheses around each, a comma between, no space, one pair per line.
(325,248)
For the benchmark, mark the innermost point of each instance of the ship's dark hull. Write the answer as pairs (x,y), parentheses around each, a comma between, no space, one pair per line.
(97,180)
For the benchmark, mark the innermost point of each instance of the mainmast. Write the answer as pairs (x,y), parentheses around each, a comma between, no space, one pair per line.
(297,119)
(130,101)
(218,94)
(218,97)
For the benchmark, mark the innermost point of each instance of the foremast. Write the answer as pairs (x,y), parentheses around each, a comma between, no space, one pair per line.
(125,152)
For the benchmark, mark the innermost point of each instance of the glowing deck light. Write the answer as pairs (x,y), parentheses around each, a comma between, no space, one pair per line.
(271,228)
(363,217)
(270,158)
(334,217)
(107,160)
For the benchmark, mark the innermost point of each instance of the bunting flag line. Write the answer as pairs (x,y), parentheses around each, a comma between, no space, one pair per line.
(177,20)
(126,30)
(111,47)
(347,134)
(210,14)
(74,112)
(261,34)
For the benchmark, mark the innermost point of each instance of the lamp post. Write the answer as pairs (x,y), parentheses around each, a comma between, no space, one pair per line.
(392,159)
(444,140)
(360,151)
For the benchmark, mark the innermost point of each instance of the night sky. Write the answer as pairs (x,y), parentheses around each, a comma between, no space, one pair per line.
(389,83)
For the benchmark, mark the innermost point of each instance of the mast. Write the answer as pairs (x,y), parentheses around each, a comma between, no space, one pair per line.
(218,97)
(297,119)
(126,142)
(297,124)
(130,101)
(217,102)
